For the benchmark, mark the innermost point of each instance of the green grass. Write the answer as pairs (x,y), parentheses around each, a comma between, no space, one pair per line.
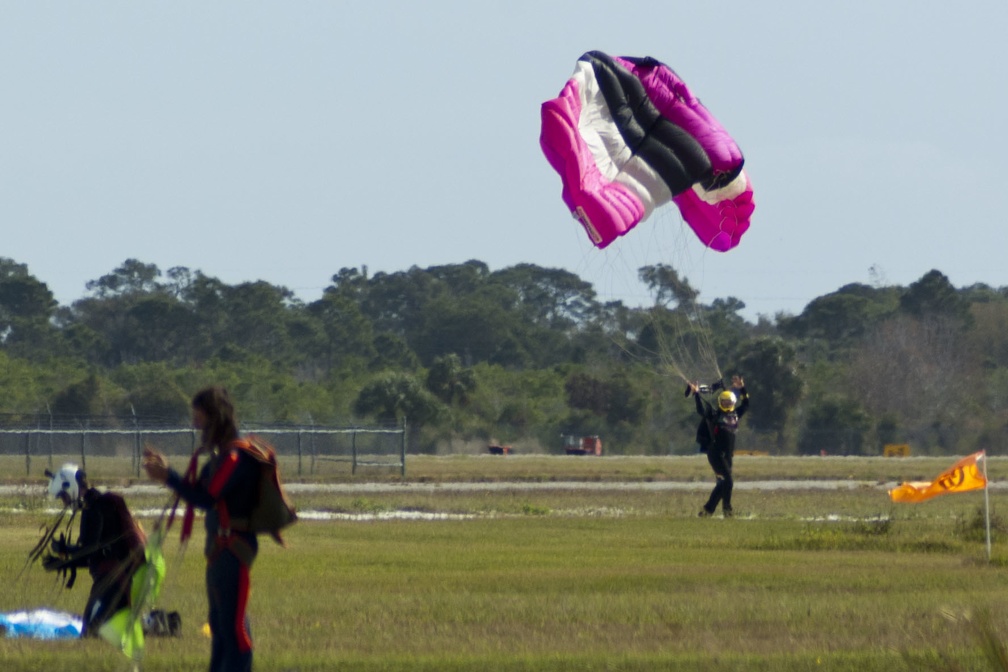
(541,468)
(581,580)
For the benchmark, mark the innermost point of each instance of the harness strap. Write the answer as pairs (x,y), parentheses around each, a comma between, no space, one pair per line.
(226,527)
(234,543)
(190,514)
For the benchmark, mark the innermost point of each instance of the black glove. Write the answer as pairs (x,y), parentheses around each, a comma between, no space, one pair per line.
(51,563)
(59,546)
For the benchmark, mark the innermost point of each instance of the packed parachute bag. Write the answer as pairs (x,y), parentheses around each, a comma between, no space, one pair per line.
(161,623)
(273,511)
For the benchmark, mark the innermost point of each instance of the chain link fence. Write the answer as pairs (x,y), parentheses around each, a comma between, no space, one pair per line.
(111,449)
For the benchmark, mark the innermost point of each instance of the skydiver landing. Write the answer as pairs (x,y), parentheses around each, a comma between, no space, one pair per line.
(721,425)
(110,544)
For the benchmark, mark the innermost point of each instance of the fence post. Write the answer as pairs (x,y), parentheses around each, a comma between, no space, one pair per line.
(136,443)
(83,443)
(49,411)
(314,448)
(353,453)
(299,450)
(402,450)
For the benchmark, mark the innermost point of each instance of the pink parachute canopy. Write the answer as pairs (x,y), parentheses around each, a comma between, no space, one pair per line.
(627,136)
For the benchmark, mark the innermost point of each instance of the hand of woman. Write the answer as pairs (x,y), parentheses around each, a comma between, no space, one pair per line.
(155,464)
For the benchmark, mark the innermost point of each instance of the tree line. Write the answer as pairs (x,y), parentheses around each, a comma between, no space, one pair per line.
(520,356)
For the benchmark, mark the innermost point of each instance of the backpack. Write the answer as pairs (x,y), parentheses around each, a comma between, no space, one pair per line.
(273,511)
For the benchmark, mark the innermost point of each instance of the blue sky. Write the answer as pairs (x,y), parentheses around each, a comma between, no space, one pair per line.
(284,141)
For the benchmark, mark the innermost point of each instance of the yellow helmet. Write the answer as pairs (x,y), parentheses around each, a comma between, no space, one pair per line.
(726,401)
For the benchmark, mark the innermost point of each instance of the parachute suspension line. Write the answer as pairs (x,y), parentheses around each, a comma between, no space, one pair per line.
(48,534)
(163,524)
(683,336)
(673,340)
(686,348)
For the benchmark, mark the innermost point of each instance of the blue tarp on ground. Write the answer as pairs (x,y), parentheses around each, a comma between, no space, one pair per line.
(41,624)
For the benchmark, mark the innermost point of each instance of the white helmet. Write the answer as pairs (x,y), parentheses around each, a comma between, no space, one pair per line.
(65,480)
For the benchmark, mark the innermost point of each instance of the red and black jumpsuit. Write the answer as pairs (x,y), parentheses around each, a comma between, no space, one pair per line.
(226,489)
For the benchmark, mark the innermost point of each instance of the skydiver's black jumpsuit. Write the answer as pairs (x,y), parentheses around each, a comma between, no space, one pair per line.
(227,480)
(721,449)
(112,547)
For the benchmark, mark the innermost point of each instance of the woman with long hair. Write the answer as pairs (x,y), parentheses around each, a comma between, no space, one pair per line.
(225,490)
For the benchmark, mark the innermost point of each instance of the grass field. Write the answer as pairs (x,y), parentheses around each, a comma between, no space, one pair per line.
(553,578)
(544,468)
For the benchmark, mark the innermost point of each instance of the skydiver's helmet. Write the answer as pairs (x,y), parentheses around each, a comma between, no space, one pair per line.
(726,401)
(65,484)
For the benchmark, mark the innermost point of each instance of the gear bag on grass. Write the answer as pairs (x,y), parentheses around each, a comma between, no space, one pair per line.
(273,511)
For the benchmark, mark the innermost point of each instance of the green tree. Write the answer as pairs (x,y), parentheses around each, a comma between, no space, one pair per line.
(728,329)
(549,297)
(118,315)
(157,327)
(627,404)
(396,302)
(398,397)
(770,371)
(392,352)
(22,295)
(668,288)
(23,384)
(133,277)
(933,294)
(843,317)
(616,398)
(207,298)
(26,310)
(153,391)
(475,327)
(836,425)
(451,382)
(348,332)
(512,405)
(587,393)
(257,319)
(92,396)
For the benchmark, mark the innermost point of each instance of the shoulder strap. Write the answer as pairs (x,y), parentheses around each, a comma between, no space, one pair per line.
(223,516)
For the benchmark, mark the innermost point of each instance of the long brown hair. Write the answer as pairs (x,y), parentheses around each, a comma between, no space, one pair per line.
(221,423)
